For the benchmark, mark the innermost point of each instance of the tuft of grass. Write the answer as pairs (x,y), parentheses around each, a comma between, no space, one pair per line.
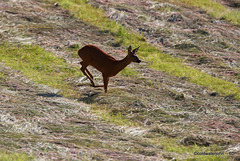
(215,9)
(39,65)
(167,8)
(2,75)
(5,156)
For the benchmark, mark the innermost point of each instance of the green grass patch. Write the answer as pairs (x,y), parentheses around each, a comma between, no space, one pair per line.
(40,66)
(156,59)
(6,156)
(128,72)
(2,75)
(214,8)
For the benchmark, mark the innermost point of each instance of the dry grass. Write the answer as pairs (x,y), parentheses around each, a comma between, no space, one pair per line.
(214,8)
(157,59)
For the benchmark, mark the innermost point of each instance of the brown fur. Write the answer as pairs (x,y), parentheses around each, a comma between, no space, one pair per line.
(105,63)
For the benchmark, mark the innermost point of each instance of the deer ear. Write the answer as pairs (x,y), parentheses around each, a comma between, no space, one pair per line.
(135,50)
(129,49)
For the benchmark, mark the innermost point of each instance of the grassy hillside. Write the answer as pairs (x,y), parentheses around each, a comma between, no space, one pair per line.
(159,61)
(44,68)
(165,108)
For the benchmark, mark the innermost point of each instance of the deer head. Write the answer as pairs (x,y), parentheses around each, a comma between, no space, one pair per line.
(132,56)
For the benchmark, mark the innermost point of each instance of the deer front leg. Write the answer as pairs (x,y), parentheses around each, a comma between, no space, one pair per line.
(105,81)
(91,80)
(89,73)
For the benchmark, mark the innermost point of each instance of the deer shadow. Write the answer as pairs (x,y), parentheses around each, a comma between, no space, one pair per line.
(49,95)
(89,93)
(89,97)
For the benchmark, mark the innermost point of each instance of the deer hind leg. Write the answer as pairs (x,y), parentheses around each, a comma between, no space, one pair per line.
(105,81)
(83,69)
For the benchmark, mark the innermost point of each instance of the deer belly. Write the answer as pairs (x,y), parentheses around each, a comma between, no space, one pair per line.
(100,67)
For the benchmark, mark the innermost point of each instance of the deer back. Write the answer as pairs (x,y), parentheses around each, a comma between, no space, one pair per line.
(92,55)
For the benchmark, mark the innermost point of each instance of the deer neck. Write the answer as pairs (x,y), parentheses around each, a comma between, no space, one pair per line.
(121,64)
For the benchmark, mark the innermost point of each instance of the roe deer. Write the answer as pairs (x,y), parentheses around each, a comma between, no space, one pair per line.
(106,64)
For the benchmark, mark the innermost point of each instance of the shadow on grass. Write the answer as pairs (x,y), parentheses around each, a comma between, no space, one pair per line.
(89,97)
(49,95)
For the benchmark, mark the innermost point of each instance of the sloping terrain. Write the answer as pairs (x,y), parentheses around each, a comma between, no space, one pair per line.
(34,119)
(207,44)
(147,114)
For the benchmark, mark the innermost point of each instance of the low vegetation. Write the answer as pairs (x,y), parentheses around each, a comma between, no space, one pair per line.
(6,156)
